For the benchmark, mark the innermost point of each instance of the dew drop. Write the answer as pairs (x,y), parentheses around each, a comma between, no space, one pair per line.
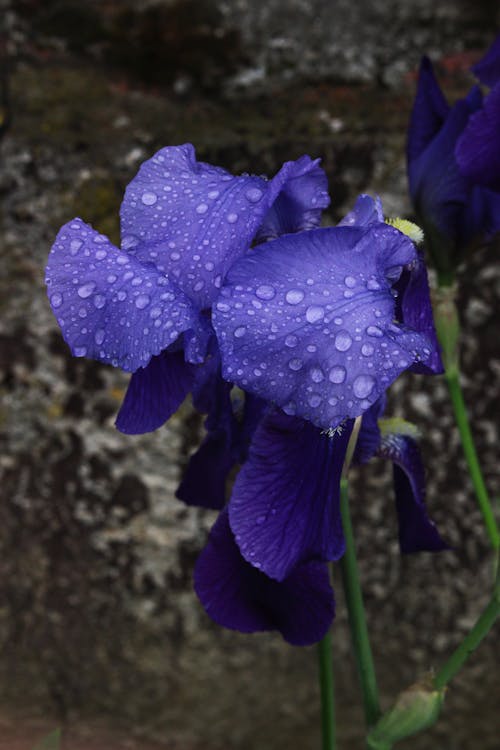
(80,351)
(142,301)
(314,400)
(291,341)
(232,218)
(374,331)
(316,374)
(99,301)
(265,292)
(149,199)
(74,246)
(254,195)
(290,408)
(202,208)
(350,282)
(295,364)
(99,336)
(86,290)
(239,332)
(343,341)
(294,296)
(56,299)
(367,350)
(122,295)
(363,385)
(314,313)
(101,254)
(337,374)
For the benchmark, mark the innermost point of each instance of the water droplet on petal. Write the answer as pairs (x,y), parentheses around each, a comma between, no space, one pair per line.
(337,374)
(86,290)
(314,313)
(101,254)
(232,218)
(213,194)
(99,336)
(350,281)
(239,332)
(367,350)
(316,374)
(254,195)
(202,208)
(291,341)
(374,331)
(363,385)
(343,341)
(265,292)
(99,301)
(80,351)
(295,364)
(294,296)
(142,301)
(149,199)
(56,299)
(74,246)
(314,400)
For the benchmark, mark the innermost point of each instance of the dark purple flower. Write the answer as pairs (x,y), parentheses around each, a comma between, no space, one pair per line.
(238,596)
(393,439)
(308,321)
(183,224)
(478,148)
(452,204)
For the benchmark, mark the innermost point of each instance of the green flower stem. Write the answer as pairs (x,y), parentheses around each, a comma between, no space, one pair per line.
(448,331)
(471,641)
(453,380)
(327,692)
(357,619)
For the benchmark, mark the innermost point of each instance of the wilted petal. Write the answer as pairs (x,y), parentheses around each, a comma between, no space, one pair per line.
(238,596)
(306,321)
(192,220)
(430,110)
(478,148)
(155,392)
(284,508)
(110,306)
(300,203)
(416,530)
(487,70)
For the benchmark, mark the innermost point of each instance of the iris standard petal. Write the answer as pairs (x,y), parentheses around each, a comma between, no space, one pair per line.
(238,596)
(417,532)
(284,508)
(306,321)
(366,211)
(487,70)
(438,189)
(299,202)
(430,110)
(192,220)
(111,307)
(415,310)
(478,148)
(369,437)
(155,392)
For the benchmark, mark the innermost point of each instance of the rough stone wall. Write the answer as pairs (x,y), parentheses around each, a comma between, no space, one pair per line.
(97,612)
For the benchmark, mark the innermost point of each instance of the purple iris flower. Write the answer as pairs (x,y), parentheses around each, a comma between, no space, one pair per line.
(453,162)
(146,308)
(395,440)
(478,148)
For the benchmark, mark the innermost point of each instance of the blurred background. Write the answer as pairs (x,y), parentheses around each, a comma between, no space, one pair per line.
(100,630)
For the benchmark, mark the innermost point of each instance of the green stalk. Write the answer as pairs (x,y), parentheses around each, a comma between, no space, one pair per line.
(453,380)
(327,693)
(471,641)
(448,330)
(356,612)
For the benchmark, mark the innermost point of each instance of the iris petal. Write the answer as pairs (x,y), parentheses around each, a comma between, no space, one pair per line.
(416,530)
(238,596)
(307,321)
(430,110)
(111,307)
(366,211)
(284,508)
(478,148)
(487,70)
(192,220)
(155,393)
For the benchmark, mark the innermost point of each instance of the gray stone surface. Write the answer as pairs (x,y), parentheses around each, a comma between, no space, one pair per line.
(97,612)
